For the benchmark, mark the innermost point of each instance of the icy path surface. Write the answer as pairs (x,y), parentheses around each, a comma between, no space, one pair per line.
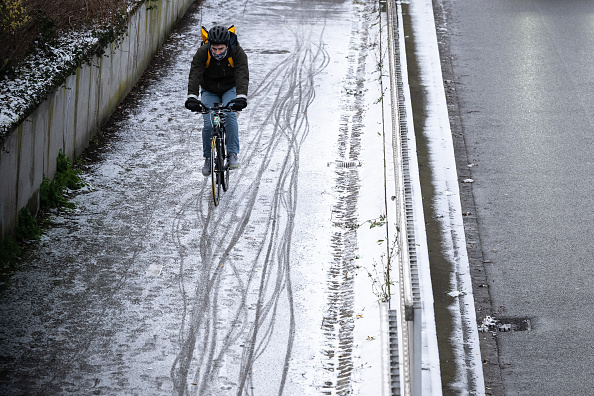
(148,289)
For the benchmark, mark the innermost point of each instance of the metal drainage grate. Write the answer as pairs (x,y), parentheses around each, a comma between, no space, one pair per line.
(394,357)
(345,164)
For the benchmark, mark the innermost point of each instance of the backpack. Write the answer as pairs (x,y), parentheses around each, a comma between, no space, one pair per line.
(205,41)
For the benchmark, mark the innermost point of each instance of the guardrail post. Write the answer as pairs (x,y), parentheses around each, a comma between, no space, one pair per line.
(417,361)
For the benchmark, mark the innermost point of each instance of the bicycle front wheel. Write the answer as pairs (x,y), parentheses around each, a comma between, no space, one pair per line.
(216,167)
(224,169)
(225,177)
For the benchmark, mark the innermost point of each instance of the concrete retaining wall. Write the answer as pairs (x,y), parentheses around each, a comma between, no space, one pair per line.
(69,118)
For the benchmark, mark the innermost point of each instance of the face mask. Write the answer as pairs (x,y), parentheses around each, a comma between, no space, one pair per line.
(221,55)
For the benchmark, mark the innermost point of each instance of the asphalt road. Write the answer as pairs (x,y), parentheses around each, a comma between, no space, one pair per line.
(520,84)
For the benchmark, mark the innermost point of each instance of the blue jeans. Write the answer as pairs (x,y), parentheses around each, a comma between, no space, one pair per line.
(209,99)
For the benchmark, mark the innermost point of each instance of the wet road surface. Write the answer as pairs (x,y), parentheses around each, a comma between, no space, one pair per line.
(520,86)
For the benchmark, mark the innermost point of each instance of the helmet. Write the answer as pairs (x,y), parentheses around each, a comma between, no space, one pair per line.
(219,35)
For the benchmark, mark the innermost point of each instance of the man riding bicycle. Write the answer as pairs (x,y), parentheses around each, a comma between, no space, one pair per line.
(219,74)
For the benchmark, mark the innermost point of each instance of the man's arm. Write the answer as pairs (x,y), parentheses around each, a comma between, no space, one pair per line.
(197,72)
(242,74)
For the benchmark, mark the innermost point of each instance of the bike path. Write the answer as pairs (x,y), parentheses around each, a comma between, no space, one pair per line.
(147,288)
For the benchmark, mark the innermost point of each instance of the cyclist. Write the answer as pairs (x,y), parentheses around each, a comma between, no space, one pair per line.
(219,74)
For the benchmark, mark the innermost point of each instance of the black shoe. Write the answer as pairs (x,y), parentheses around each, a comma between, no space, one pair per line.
(206,167)
(233,161)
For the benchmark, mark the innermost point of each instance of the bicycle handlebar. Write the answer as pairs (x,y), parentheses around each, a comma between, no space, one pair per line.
(216,107)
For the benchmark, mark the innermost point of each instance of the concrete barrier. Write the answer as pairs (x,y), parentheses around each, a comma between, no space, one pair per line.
(69,117)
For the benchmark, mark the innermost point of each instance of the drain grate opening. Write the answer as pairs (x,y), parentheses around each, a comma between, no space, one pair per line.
(516,324)
(345,164)
(505,324)
(393,352)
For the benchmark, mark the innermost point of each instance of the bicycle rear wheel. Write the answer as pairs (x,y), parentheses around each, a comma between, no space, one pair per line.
(215,170)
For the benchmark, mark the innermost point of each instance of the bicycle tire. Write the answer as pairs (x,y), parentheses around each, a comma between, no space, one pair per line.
(225,177)
(221,181)
(214,171)
(225,168)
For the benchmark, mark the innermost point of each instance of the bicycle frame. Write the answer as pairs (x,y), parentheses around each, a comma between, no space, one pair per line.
(219,169)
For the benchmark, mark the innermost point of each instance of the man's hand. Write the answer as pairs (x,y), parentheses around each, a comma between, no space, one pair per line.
(194,104)
(238,104)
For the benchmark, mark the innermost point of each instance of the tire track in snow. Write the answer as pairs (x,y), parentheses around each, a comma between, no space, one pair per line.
(282,130)
(339,318)
(291,121)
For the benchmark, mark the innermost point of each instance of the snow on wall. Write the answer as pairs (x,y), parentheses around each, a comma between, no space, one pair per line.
(70,116)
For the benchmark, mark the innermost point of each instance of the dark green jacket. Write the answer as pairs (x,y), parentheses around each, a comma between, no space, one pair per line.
(220,76)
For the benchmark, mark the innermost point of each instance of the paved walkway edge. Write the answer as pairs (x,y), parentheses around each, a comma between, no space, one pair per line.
(446,201)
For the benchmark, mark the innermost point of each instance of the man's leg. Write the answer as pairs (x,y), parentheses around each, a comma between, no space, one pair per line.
(231,124)
(208,99)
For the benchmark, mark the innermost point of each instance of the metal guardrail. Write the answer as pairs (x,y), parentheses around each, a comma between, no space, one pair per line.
(402,334)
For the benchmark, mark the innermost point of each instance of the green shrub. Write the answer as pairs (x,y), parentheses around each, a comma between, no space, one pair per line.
(13,16)
(66,175)
(52,191)
(28,227)
(9,254)
(51,194)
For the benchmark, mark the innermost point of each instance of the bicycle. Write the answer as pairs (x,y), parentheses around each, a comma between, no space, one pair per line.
(219,168)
